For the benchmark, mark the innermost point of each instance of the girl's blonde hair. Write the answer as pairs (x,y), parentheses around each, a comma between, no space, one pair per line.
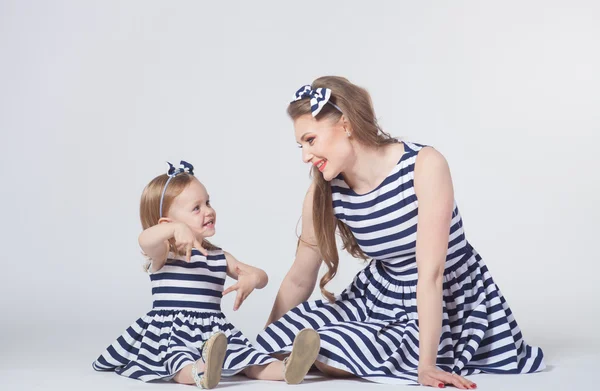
(150,203)
(355,104)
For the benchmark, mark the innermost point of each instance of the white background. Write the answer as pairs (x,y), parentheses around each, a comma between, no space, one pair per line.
(96,96)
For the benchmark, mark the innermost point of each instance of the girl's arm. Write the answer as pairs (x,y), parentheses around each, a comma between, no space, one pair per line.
(300,280)
(154,242)
(433,188)
(235,269)
(248,278)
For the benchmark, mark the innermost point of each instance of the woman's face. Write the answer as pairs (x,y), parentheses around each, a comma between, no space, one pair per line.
(325,143)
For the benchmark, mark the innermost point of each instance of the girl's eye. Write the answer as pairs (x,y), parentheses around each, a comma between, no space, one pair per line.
(196,208)
(207,203)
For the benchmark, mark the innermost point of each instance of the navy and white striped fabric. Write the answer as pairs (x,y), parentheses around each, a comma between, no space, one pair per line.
(372,329)
(186,312)
(318,98)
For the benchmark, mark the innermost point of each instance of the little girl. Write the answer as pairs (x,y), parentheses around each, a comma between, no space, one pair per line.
(186,337)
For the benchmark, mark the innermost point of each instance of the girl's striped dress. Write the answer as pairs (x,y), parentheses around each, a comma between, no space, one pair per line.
(186,312)
(372,329)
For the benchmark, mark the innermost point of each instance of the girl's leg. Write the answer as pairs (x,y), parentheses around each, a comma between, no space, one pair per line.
(184,376)
(207,373)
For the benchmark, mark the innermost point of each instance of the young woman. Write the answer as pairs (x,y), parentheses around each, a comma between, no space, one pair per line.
(426,308)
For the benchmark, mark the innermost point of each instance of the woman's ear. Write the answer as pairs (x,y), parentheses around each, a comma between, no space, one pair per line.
(345,123)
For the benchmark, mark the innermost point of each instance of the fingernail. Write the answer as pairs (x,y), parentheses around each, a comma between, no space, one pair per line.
(441,385)
(473,385)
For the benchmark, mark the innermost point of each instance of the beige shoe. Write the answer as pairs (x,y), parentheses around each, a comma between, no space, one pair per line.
(304,353)
(213,354)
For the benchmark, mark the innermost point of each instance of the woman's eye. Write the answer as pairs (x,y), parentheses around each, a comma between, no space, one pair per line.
(309,140)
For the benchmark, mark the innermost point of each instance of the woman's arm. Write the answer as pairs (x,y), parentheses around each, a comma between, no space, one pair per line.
(300,280)
(433,188)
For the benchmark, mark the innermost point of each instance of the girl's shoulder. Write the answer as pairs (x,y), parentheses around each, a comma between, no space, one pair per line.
(212,251)
(215,251)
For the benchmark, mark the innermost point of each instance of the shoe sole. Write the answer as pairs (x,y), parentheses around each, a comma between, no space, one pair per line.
(304,353)
(216,347)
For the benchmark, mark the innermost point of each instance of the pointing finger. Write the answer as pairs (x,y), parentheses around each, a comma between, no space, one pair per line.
(232,288)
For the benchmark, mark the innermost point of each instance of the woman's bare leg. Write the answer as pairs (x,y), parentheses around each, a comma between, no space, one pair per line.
(331,371)
(270,371)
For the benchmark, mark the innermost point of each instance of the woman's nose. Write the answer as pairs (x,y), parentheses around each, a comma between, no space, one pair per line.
(306,156)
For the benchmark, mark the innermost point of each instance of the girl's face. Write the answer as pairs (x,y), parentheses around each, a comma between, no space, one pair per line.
(192,207)
(324,144)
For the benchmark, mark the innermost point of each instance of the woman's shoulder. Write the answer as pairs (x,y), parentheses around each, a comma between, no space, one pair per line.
(429,159)
(413,147)
(431,172)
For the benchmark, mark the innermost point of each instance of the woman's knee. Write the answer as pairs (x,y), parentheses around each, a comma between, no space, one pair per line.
(331,371)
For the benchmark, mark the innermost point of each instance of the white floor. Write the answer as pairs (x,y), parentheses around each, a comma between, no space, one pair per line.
(47,366)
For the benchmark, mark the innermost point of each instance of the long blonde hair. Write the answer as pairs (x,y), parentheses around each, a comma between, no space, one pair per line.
(150,203)
(356,105)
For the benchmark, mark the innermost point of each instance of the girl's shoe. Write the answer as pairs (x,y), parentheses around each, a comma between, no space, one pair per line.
(213,354)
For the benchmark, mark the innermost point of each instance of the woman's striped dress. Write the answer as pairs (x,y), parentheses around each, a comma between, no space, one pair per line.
(185,313)
(372,329)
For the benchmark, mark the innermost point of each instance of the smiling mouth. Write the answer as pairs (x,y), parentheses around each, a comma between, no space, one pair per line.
(321,164)
(209,223)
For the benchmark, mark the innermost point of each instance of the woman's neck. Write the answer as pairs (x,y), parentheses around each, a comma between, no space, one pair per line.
(371,166)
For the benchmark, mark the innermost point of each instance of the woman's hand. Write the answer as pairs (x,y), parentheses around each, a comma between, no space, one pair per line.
(246,283)
(434,377)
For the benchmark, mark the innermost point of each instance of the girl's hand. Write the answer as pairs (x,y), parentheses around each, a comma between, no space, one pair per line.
(246,283)
(434,377)
(185,240)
